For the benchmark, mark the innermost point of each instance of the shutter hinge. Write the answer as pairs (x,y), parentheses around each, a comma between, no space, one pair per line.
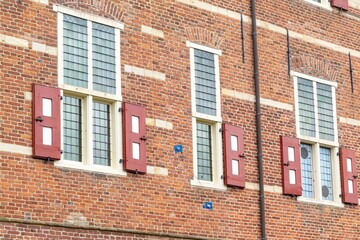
(337,154)
(222,177)
(61,151)
(120,109)
(220,130)
(61,98)
(120,161)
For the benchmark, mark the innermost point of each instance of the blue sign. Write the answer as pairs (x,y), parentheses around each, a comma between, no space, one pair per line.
(208,205)
(178,148)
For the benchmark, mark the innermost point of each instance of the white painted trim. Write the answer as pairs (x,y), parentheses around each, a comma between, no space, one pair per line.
(14,41)
(44,48)
(314,79)
(90,55)
(87,16)
(60,41)
(144,72)
(204,48)
(207,184)
(14,148)
(152,31)
(84,91)
(157,170)
(251,98)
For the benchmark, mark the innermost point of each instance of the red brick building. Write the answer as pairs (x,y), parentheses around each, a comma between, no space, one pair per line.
(142,120)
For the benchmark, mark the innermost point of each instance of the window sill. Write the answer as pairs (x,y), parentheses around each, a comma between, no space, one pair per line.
(207,184)
(326,5)
(316,201)
(89,168)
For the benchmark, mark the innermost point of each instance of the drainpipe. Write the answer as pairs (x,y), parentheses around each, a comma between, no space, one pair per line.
(258,120)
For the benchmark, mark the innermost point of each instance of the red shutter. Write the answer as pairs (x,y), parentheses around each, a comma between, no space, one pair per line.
(348,176)
(234,163)
(291,165)
(46,122)
(134,138)
(342,4)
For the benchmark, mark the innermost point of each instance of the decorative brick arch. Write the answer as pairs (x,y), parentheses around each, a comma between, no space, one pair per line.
(314,67)
(104,8)
(204,37)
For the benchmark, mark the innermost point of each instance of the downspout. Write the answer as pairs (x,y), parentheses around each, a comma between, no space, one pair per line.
(258,120)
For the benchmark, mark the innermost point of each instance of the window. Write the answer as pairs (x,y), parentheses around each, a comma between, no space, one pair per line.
(89,77)
(206,115)
(317,131)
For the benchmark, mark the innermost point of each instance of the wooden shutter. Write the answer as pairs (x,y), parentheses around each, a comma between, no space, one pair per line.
(348,176)
(291,166)
(342,4)
(134,138)
(234,163)
(46,122)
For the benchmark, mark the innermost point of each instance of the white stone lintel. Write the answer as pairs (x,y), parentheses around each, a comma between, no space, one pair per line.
(44,48)
(145,72)
(152,31)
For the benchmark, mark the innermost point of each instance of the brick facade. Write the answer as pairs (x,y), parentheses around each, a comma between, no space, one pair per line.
(39,200)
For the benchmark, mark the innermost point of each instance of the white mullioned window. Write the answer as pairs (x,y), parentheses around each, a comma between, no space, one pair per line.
(89,76)
(315,102)
(206,116)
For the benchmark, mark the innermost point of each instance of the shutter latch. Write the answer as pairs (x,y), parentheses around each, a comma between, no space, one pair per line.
(287,164)
(38,119)
(143,138)
(242,155)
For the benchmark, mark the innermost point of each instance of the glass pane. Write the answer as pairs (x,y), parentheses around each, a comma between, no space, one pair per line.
(104,76)
(47,107)
(72,128)
(75,51)
(306,107)
(204,152)
(235,167)
(101,133)
(325,112)
(326,174)
(306,171)
(205,88)
(47,136)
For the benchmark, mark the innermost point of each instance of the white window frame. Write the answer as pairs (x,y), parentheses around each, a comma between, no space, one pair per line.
(316,142)
(215,122)
(88,96)
(324,4)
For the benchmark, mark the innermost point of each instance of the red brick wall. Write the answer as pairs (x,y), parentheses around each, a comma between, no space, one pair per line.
(37,191)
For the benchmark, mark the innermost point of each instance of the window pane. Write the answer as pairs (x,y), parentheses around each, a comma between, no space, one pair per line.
(205,82)
(75,51)
(101,133)
(204,158)
(103,45)
(306,107)
(306,171)
(72,128)
(326,174)
(325,112)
